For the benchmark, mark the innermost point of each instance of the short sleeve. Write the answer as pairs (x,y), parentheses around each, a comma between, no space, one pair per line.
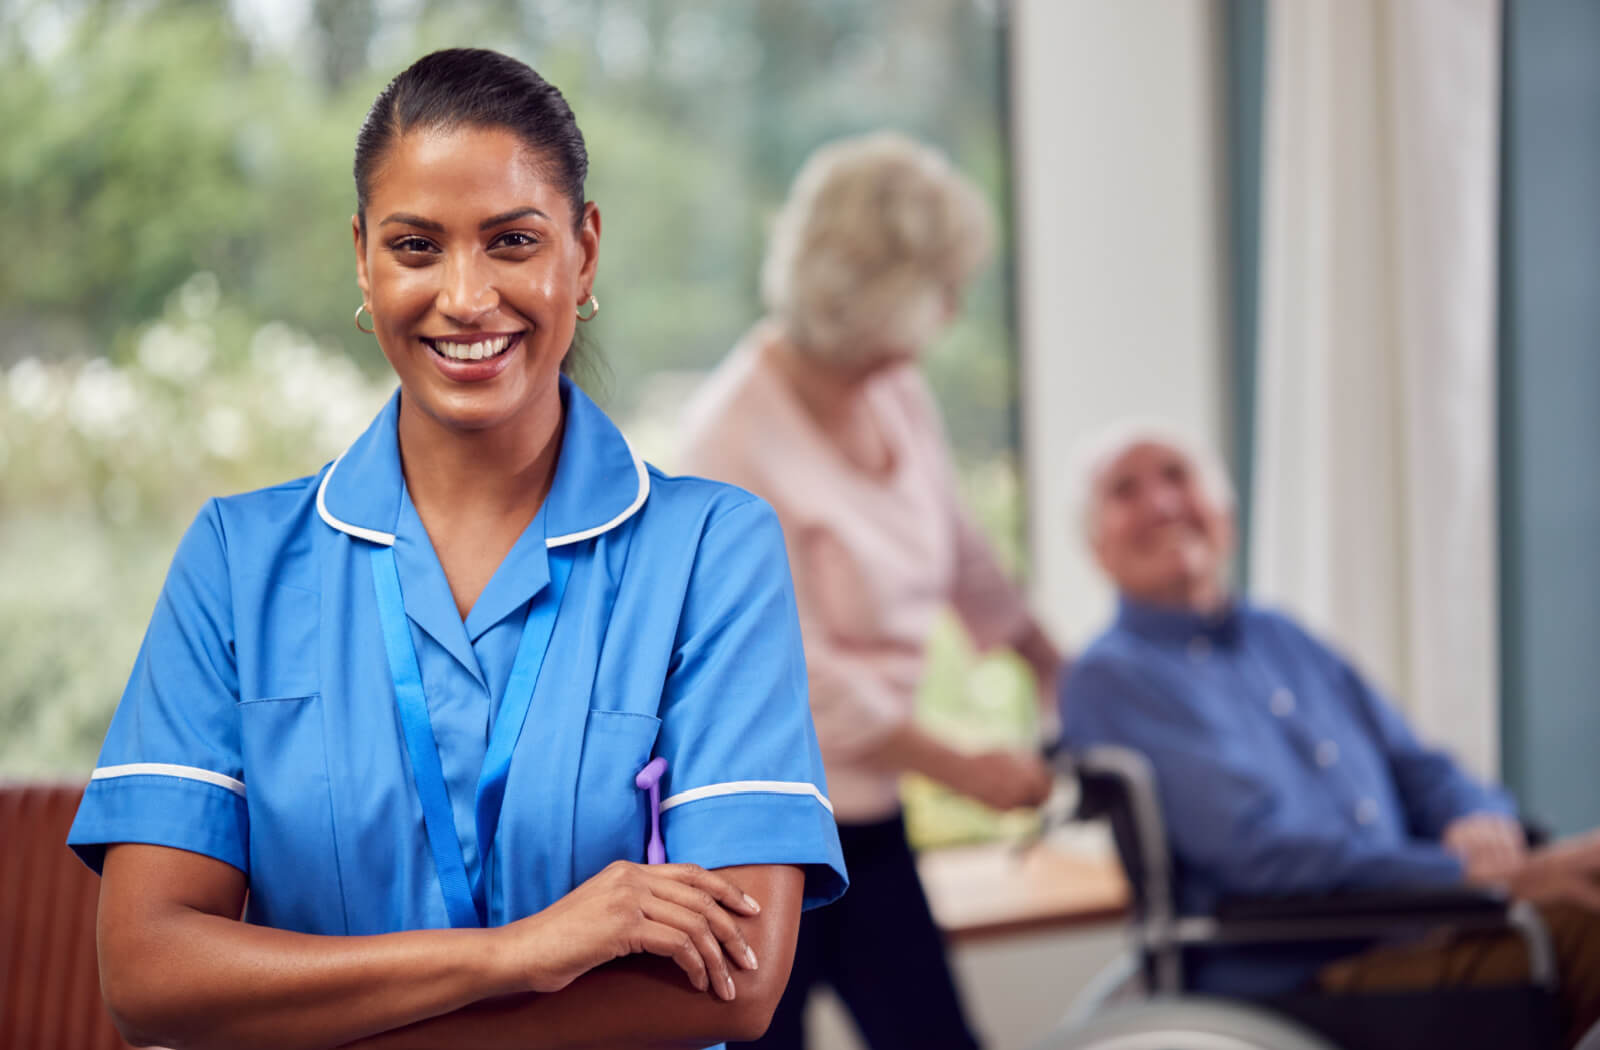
(170,772)
(744,782)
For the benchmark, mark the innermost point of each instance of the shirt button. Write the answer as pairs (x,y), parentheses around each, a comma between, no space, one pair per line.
(1199,648)
(1327,753)
(1367,811)
(1282,702)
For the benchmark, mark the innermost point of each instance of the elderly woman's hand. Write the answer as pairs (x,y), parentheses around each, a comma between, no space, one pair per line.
(1003,779)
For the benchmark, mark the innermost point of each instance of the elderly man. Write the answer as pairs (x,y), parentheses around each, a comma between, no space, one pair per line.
(1282,770)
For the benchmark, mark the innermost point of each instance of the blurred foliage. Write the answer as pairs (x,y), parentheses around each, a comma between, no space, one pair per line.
(102,467)
(179,324)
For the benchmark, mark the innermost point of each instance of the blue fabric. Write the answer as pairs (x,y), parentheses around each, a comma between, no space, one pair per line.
(1280,769)
(264,663)
(464,898)
(412,705)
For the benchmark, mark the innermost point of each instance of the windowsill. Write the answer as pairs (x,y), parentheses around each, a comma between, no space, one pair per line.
(1070,879)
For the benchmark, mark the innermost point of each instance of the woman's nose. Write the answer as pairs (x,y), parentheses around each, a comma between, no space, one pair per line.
(468,293)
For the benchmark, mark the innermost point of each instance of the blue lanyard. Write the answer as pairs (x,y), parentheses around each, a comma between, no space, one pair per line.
(464,901)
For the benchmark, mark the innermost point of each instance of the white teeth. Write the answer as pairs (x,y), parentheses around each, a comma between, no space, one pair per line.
(473,351)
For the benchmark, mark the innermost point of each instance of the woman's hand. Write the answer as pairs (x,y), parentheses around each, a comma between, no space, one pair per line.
(1003,779)
(1000,779)
(679,911)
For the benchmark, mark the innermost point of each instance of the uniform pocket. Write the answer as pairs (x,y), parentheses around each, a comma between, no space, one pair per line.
(612,819)
(294,873)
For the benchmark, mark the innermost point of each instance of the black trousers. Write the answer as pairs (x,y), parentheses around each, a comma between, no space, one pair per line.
(879,949)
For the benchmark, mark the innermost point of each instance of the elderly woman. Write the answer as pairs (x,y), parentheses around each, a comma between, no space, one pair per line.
(1280,768)
(409,739)
(821,411)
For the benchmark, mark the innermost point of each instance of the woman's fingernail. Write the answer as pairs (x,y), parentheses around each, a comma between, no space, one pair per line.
(750,902)
(732,991)
(750,957)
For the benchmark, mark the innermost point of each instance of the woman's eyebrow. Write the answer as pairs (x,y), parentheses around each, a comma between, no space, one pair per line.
(492,221)
(414,220)
(510,216)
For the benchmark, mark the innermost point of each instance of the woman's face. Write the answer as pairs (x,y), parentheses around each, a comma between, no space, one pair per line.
(474,269)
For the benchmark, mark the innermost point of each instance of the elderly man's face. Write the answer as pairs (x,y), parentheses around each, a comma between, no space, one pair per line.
(1156,531)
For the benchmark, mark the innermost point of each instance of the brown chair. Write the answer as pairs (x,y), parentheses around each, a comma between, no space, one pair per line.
(49,980)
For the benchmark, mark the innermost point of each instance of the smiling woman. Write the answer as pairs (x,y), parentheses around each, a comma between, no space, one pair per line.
(399,706)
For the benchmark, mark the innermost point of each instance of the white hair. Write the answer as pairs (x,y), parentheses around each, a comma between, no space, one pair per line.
(878,235)
(1100,451)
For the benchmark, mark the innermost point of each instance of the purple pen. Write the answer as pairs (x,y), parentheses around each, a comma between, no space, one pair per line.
(649,779)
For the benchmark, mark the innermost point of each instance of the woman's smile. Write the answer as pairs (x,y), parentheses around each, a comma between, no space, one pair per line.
(472,357)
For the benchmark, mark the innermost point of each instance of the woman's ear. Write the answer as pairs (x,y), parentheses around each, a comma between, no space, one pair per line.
(589,245)
(361,257)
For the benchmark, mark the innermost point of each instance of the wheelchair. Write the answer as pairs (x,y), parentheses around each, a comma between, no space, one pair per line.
(1144,1003)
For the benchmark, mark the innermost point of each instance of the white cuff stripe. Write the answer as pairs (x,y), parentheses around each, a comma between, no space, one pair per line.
(162,769)
(748,787)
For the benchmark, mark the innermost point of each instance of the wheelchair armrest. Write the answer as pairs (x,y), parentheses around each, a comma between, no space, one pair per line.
(1359,917)
(1411,906)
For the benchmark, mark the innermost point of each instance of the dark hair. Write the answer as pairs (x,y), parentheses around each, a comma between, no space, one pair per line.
(473,87)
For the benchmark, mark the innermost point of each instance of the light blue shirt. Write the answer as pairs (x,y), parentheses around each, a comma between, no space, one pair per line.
(1279,769)
(259,726)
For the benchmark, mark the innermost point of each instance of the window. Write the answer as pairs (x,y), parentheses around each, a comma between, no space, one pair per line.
(179,289)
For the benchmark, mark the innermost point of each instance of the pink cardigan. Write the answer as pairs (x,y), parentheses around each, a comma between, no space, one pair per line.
(874,557)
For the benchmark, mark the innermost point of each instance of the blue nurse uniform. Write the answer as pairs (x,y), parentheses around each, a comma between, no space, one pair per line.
(260,724)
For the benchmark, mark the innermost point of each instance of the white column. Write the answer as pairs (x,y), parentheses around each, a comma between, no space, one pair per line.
(1120,237)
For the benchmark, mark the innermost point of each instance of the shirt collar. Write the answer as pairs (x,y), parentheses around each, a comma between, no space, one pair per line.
(1164,623)
(600,482)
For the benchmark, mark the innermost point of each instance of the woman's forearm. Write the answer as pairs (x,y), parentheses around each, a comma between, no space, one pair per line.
(910,748)
(639,1003)
(179,970)
(1043,658)
(190,979)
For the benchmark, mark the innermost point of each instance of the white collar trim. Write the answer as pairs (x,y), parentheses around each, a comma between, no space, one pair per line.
(630,511)
(370,535)
(387,538)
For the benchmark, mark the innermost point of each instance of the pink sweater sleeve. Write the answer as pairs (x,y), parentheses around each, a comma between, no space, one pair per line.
(989,604)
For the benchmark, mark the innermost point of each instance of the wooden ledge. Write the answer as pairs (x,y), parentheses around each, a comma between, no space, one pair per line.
(999,889)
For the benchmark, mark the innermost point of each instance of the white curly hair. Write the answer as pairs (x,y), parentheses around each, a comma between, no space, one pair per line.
(877,239)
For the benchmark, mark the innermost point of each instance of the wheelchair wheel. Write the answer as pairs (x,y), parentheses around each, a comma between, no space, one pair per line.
(1185,1023)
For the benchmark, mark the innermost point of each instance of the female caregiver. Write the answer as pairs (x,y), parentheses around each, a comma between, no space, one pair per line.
(403,706)
(822,411)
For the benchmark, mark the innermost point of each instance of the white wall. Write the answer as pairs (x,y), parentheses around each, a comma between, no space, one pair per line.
(1121,250)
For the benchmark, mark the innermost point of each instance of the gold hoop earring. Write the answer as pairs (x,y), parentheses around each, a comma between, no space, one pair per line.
(368,309)
(591,302)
